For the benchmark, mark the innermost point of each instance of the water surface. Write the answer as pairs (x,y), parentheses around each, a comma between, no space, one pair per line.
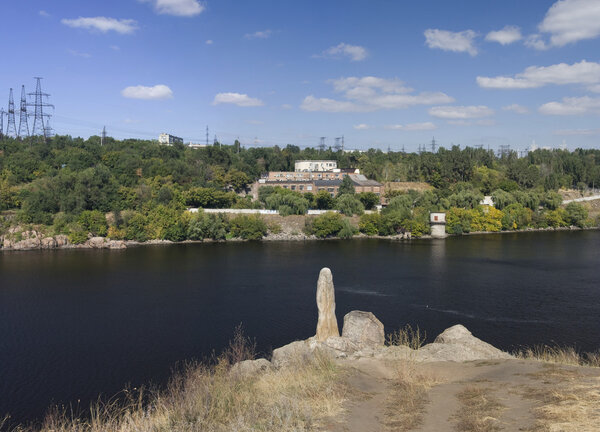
(78,323)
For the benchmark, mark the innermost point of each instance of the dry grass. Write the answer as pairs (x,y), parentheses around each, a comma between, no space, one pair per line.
(568,401)
(407,398)
(559,355)
(407,336)
(209,398)
(479,411)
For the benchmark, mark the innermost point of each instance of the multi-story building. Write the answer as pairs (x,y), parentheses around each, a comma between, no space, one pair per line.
(169,139)
(315,165)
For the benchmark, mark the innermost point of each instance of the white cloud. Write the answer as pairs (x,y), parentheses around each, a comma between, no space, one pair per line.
(451,41)
(372,94)
(594,88)
(209,42)
(461,112)
(102,24)
(79,54)
(177,7)
(238,99)
(413,126)
(44,13)
(574,132)
(484,122)
(286,107)
(572,106)
(519,109)
(159,91)
(354,52)
(537,76)
(535,41)
(263,34)
(506,36)
(362,126)
(569,21)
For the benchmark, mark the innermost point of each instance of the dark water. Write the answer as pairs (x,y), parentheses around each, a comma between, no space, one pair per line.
(76,324)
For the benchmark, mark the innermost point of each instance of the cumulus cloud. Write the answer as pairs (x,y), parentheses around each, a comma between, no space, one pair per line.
(572,106)
(413,126)
(505,36)
(159,91)
(242,100)
(354,52)
(361,126)
(451,41)
(537,76)
(102,24)
(569,21)
(535,41)
(519,109)
(263,34)
(461,112)
(176,7)
(371,94)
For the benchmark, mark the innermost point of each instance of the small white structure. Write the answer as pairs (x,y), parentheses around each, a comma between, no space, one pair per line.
(487,200)
(168,139)
(438,225)
(315,165)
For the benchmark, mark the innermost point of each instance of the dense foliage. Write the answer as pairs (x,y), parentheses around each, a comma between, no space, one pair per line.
(72,185)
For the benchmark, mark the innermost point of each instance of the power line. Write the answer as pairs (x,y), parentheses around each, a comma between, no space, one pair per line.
(23,126)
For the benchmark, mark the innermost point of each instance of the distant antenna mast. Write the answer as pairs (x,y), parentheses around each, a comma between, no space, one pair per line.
(23,126)
(11,128)
(103,136)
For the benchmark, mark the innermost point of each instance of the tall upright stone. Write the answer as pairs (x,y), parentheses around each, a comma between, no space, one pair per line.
(327,323)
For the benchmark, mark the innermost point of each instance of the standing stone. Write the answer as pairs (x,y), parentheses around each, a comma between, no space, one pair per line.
(327,323)
(364,329)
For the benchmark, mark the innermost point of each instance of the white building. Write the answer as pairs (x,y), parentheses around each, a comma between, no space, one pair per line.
(438,224)
(315,165)
(169,139)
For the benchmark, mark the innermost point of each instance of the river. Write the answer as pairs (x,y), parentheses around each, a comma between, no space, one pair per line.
(75,324)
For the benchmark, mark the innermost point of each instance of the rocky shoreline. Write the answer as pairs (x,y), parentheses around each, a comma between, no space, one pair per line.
(35,240)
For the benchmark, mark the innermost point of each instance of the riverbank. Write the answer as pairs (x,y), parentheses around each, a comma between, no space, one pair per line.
(33,239)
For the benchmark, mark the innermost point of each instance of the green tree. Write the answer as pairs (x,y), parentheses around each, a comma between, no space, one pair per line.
(324,200)
(368,199)
(577,214)
(247,227)
(349,205)
(346,187)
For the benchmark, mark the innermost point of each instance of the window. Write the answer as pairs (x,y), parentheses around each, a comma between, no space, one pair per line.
(293,187)
(435,218)
(309,188)
(301,187)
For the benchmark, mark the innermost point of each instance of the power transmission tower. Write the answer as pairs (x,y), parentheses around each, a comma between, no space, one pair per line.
(48,131)
(338,145)
(11,128)
(103,136)
(322,144)
(2,113)
(504,150)
(433,145)
(23,126)
(342,142)
(206,135)
(39,128)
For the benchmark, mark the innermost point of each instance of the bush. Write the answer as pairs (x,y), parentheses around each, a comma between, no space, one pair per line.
(326,225)
(211,225)
(323,200)
(369,223)
(135,227)
(287,202)
(576,214)
(552,200)
(166,223)
(556,218)
(77,234)
(248,227)
(347,231)
(94,222)
(349,205)
(368,199)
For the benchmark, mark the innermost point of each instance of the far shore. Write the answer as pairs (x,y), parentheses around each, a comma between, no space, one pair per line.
(107,243)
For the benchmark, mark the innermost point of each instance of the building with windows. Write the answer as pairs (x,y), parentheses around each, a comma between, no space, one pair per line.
(315,165)
(169,139)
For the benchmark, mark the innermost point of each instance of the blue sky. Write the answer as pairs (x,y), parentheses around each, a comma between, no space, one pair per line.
(380,73)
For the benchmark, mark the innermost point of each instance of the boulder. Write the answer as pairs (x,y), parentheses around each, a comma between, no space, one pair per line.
(117,244)
(48,243)
(458,344)
(363,329)
(61,240)
(251,367)
(298,351)
(335,346)
(327,322)
(96,242)
(27,244)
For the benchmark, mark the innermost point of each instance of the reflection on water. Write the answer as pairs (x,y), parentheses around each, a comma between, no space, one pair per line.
(74,324)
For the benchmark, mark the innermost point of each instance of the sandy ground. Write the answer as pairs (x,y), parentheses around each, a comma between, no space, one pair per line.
(508,395)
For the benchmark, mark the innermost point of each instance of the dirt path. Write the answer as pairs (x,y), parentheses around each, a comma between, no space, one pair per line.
(505,395)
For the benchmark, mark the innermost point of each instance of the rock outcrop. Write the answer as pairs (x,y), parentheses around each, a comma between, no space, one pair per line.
(327,323)
(251,367)
(295,351)
(363,329)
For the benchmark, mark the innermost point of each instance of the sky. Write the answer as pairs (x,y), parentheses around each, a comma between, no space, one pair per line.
(384,74)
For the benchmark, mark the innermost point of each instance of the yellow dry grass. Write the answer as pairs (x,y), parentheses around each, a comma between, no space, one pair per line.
(407,336)
(569,401)
(479,411)
(559,355)
(212,399)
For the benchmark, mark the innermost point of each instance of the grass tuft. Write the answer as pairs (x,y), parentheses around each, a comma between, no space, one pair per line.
(407,336)
(559,355)
(479,411)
